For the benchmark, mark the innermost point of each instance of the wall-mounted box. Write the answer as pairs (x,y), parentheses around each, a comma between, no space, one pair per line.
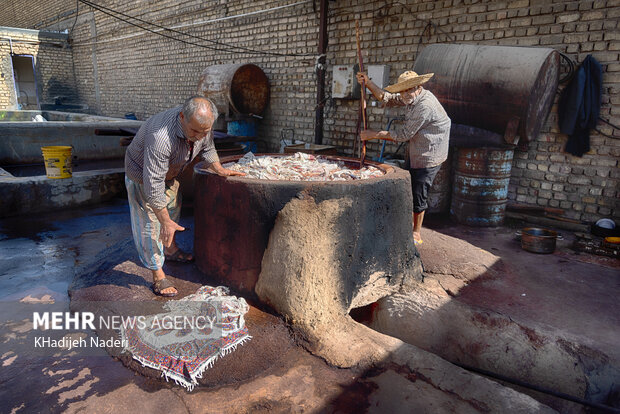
(380,75)
(344,82)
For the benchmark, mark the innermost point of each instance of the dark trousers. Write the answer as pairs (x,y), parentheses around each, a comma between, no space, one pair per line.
(421,182)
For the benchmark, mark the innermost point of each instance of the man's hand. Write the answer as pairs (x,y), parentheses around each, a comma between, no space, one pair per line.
(227,173)
(362,77)
(167,230)
(369,134)
(217,168)
(376,91)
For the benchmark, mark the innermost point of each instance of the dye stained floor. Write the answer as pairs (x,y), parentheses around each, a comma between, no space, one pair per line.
(41,255)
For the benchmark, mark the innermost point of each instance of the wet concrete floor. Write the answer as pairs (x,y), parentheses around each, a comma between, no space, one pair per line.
(568,290)
(41,254)
(40,257)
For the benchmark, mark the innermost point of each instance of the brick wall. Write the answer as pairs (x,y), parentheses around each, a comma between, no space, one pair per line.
(34,14)
(120,72)
(7,91)
(53,67)
(585,187)
(147,73)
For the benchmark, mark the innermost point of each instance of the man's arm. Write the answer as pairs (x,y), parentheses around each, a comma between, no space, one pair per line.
(167,226)
(376,91)
(154,177)
(209,155)
(369,134)
(217,168)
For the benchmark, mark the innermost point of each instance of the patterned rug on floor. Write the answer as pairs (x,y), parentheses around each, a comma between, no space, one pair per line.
(190,336)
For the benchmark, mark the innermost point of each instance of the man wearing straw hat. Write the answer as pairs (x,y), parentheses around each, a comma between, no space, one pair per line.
(166,144)
(426,127)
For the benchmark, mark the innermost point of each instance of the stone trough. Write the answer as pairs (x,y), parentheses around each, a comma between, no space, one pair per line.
(98,175)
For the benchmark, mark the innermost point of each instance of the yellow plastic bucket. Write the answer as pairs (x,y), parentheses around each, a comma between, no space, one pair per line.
(57,161)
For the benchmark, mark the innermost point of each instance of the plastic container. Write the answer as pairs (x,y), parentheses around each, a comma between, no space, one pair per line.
(57,161)
(242,128)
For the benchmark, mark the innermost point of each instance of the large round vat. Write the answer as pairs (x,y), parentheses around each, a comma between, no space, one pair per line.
(489,87)
(480,188)
(235,215)
(244,88)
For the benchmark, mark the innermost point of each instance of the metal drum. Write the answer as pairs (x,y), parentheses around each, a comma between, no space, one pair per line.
(439,193)
(244,88)
(480,188)
(496,88)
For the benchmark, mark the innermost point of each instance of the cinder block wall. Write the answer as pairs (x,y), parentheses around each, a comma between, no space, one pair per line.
(119,72)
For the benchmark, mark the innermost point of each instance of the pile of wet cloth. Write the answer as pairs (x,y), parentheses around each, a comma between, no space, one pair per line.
(190,335)
(300,167)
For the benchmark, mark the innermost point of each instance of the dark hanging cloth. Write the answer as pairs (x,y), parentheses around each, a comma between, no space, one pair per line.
(579,106)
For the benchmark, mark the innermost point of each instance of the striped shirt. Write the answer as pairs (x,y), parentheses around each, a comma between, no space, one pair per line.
(426,127)
(159,152)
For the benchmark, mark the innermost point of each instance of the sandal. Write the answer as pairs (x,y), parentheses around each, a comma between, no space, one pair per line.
(162,284)
(417,242)
(179,256)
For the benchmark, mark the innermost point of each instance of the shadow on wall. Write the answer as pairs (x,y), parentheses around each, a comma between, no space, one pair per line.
(59,91)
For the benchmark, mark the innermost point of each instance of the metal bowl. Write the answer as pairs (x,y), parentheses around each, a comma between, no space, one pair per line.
(538,240)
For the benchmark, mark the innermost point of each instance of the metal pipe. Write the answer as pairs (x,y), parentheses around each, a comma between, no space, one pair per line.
(320,74)
(362,94)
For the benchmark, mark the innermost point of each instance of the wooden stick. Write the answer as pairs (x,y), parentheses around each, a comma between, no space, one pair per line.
(363,93)
(526,207)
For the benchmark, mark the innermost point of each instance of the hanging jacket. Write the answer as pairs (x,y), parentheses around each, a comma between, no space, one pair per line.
(579,106)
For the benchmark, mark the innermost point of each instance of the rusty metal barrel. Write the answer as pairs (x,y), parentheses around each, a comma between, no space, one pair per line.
(440,191)
(480,188)
(493,87)
(242,88)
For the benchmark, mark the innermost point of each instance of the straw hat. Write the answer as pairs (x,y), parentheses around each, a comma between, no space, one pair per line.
(408,80)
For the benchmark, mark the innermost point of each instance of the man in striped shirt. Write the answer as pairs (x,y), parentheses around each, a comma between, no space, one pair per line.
(426,127)
(165,145)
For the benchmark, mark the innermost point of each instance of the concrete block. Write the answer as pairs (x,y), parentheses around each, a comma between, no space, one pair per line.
(28,195)
(567,18)
(559,196)
(545,194)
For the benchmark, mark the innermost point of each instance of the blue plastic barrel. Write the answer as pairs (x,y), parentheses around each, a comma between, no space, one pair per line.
(242,128)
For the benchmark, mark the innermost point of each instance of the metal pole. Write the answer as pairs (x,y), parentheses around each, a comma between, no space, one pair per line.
(362,94)
(320,73)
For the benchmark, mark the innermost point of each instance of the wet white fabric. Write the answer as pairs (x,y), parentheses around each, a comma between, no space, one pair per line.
(299,167)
